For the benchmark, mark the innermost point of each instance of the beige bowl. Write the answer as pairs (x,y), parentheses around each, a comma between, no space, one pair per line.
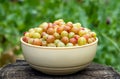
(59,60)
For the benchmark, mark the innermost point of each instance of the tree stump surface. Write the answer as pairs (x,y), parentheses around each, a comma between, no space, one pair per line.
(21,70)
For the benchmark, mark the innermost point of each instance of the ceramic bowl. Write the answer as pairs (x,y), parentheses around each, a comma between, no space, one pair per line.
(59,60)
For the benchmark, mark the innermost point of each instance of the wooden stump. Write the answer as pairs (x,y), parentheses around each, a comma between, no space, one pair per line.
(21,70)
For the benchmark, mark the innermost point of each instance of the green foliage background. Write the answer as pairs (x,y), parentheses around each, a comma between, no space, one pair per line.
(101,16)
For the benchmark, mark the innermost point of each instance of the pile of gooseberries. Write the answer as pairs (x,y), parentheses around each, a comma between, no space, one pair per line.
(59,34)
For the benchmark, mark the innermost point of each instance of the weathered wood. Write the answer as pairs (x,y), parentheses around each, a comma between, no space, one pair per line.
(21,70)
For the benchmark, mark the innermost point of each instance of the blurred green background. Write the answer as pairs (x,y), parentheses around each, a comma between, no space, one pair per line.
(101,16)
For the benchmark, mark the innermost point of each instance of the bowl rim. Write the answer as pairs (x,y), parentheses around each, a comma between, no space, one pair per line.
(35,46)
